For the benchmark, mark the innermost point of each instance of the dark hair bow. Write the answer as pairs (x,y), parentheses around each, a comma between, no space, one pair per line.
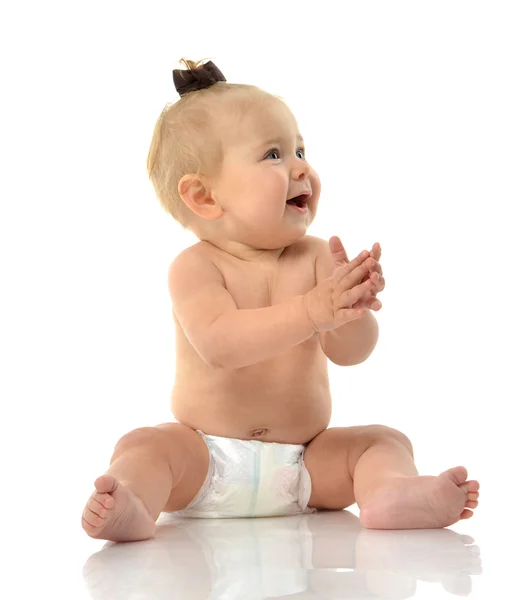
(190,80)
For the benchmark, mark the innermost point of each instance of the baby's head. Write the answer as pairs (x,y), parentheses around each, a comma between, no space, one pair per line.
(223,162)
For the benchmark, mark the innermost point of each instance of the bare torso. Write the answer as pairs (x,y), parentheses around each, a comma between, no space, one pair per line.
(286,399)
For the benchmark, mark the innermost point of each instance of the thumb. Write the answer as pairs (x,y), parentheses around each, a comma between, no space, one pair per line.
(338,252)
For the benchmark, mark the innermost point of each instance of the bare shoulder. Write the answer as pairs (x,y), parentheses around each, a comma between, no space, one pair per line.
(196,252)
(193,264)
(310,245)
(315,243)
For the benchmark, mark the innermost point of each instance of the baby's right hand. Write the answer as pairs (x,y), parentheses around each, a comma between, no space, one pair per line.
(328,304)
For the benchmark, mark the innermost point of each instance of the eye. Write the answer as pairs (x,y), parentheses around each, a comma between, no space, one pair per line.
(273,151)
(277,152)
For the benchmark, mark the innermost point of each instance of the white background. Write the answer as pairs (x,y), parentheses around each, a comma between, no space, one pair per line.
(414,117)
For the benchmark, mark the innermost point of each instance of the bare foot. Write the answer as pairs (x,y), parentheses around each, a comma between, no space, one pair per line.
(115,513)
(421,502)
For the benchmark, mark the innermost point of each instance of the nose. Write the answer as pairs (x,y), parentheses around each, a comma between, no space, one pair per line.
(301,171)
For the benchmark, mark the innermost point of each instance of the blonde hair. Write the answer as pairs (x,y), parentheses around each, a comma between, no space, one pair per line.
(186,140)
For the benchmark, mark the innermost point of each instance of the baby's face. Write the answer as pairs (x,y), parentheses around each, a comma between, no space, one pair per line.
(264,166)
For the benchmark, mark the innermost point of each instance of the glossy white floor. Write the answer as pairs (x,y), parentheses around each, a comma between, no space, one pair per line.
(326,555)
(321,556)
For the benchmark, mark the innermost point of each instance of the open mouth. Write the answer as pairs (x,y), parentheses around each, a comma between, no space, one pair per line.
(299,201)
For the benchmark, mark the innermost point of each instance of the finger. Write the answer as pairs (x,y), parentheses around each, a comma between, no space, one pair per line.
(376,251)
(372,303)
(368,299)
(375,304)
(375,267)
(344,270)
(378,281)
(345,315)
(338,252)
(352,277)
(362,272)
(350,296)
(371,295)
(369,275)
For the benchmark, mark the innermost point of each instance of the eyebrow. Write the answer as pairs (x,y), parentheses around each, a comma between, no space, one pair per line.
(276,140)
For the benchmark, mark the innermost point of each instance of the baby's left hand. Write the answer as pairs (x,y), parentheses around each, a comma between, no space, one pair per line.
(369,299)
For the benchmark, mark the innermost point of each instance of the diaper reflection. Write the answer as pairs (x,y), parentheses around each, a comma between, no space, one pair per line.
(310,556)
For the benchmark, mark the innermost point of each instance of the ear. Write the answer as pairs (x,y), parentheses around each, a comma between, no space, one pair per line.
(195,193)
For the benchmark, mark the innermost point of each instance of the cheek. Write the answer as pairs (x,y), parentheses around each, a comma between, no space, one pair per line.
(271,189)
(315,183)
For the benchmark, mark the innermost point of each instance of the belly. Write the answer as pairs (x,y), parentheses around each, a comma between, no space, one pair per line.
(286,399)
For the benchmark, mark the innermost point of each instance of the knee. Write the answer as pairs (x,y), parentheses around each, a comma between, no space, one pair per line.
(383,432)
(142,437)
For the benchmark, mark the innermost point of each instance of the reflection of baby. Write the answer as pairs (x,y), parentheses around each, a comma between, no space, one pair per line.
(258,308)
(325,555)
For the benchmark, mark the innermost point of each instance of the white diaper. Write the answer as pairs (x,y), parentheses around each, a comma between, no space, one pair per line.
(249,478)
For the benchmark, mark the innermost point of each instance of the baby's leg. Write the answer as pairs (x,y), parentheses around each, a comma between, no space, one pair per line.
(153,469)
(391,494)
(374,466)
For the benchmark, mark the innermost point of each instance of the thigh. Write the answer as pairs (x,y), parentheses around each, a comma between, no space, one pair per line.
(188,457)
(330,459)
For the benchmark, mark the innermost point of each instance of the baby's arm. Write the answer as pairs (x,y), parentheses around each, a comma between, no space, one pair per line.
(247,336)
(223,335)
(354,342)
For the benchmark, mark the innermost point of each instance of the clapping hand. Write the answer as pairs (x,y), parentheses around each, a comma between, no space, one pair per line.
(340,258)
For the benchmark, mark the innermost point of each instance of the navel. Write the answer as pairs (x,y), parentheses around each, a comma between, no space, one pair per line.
(259,432)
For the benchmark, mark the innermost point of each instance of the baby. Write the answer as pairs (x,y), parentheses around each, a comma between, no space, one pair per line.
(258,308)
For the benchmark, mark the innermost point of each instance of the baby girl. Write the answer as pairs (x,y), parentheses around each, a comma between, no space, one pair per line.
(259,307)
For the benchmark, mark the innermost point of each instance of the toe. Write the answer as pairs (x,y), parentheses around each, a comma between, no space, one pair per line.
(88,527)
(91,518)
(104,499)
(97,508)
(105,484)
(471,503)
(470,486)
(457,474)
(466,514)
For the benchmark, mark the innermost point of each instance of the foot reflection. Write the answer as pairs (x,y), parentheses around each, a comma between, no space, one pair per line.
(323,555)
